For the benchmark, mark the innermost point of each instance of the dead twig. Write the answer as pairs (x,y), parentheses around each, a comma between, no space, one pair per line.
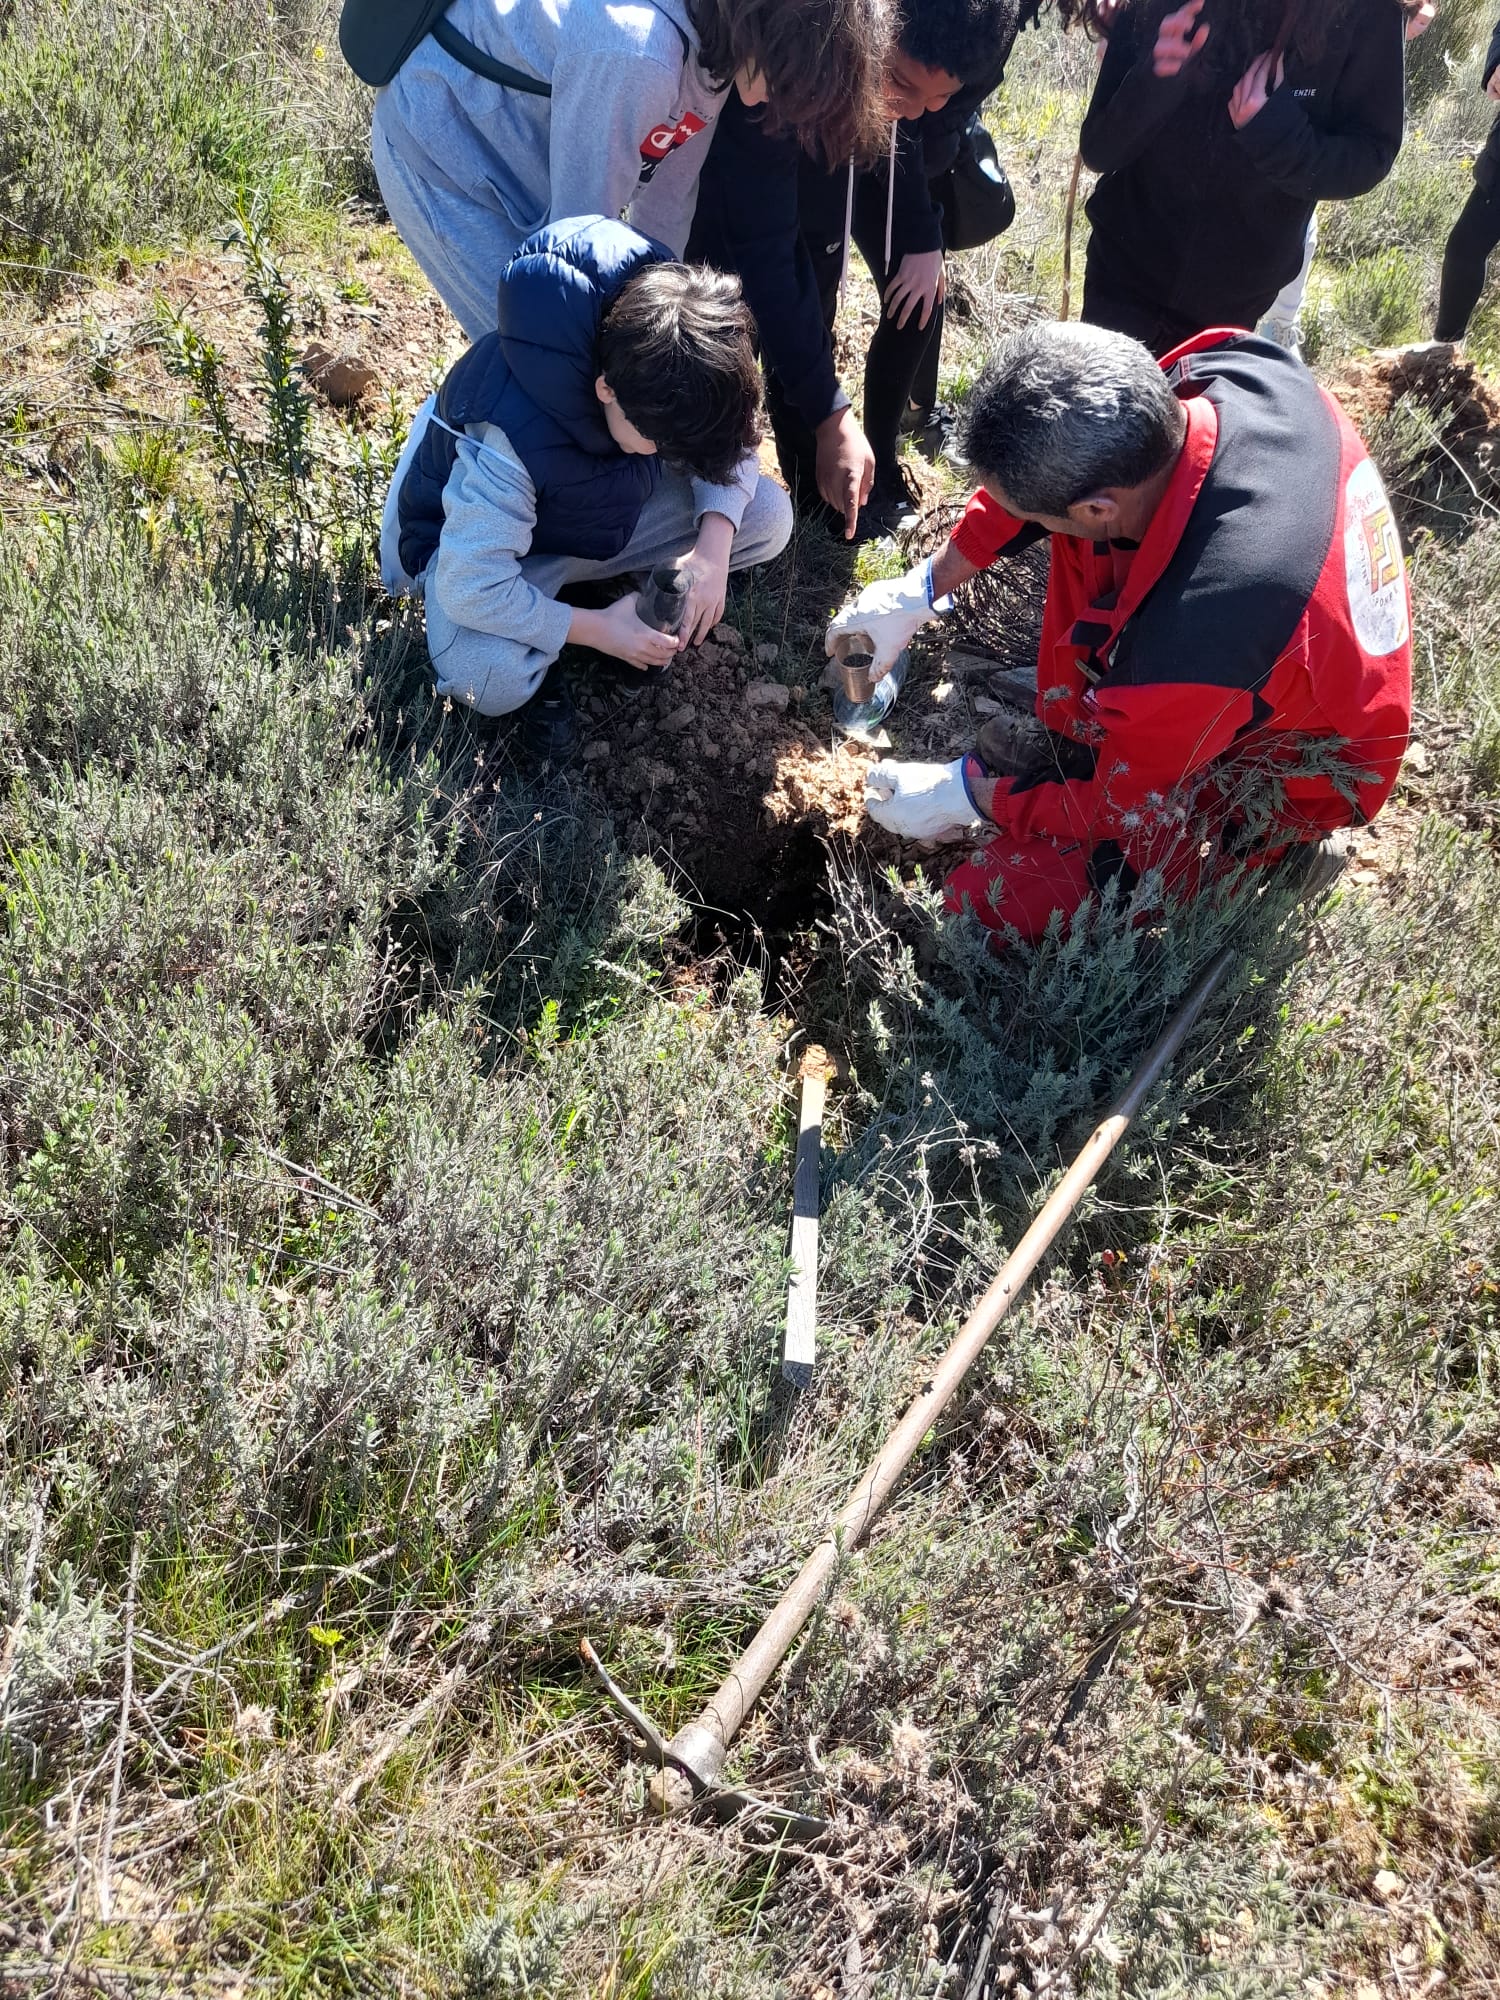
(106,1837)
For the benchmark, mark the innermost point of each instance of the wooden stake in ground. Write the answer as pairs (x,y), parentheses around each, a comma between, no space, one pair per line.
(799,1347)
(702,1746)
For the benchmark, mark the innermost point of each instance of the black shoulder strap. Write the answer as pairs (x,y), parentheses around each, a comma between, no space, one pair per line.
(463,50)
(377,36)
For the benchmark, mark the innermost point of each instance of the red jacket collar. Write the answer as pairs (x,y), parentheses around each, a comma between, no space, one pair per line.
(1159,543)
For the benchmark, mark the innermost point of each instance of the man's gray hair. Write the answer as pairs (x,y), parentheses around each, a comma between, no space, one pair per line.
(1063,410)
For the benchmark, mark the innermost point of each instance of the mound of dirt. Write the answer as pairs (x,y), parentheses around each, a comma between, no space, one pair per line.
(745,781)
(724,762)
(1432,422)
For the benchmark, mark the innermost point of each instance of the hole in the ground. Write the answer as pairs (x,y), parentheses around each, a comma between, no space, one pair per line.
(759,903)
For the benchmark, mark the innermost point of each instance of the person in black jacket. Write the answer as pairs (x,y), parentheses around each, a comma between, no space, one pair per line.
(1216,127)
(1477,230)
(902,222)
(757,189)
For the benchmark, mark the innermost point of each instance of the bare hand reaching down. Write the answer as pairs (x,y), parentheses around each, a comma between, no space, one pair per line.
(919,282)
(846,466)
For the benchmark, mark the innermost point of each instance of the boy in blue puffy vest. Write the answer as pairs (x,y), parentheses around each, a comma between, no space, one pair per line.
(607,425)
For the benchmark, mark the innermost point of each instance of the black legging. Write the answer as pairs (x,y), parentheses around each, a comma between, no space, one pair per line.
(1475,235)
(901,362)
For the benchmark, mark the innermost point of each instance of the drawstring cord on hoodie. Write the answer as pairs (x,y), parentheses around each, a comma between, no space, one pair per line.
(890,218)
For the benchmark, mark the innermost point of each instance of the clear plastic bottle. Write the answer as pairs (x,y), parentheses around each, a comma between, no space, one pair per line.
(662,604)
(858,709)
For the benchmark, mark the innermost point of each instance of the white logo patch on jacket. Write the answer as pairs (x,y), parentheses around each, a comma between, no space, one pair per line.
(1373,564)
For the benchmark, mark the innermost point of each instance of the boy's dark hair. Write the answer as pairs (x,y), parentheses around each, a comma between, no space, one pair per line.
(1063,410)
(964,38)
(823,62)
(676,345)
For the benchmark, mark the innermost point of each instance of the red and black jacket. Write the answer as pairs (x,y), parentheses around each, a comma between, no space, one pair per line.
(1267,604)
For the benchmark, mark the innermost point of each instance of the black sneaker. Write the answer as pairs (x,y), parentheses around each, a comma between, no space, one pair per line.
(548,732)
(929,430)
(891,509)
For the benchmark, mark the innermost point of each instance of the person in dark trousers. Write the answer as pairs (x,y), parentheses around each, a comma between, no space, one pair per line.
(1477,230)
(1226,593)
(1216,128)
(757,186)
(907,212)
(608,425)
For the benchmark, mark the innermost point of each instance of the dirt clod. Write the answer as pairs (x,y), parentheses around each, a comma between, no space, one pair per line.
(343,379)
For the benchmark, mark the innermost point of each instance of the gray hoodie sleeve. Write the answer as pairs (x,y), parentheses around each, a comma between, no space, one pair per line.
(731,500)
(489,509)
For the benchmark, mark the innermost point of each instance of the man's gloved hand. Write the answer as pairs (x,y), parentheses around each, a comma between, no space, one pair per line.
(892,612)
(919,801)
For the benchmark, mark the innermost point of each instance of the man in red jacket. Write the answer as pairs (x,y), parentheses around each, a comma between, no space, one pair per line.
(1227,597)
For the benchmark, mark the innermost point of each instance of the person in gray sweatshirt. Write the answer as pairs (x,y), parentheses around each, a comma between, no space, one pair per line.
(617,121)
(606,426)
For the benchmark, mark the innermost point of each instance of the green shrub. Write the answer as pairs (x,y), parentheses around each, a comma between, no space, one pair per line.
(1447,49)
(144,125)
(1411,211)
(1379,299)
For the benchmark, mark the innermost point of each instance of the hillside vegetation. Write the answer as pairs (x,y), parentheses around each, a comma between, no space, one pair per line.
(396,1170)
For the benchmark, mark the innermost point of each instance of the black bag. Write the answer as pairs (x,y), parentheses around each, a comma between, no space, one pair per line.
(377,36)
(977,200)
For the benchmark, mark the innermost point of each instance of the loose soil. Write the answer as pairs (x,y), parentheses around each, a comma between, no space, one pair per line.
(1433,421)
(735,754)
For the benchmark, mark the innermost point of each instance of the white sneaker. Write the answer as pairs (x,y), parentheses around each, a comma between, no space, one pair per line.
(1286,333)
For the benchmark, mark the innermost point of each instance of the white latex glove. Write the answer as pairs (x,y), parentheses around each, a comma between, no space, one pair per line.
(919,801)
(892,612)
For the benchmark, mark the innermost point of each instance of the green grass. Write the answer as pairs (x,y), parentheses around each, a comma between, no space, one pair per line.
(393,1262)
(142,128)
